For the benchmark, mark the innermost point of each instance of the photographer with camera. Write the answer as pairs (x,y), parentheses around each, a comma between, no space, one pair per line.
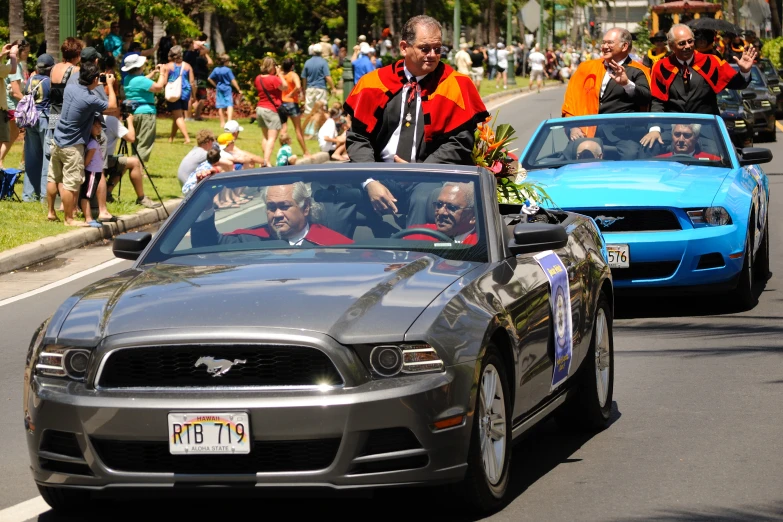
(66,169)
(140,99)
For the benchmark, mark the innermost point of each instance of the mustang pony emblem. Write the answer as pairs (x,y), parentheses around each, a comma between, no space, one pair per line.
(218,367)
(607,221)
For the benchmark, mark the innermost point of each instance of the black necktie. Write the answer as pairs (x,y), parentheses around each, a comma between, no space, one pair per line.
(408,129)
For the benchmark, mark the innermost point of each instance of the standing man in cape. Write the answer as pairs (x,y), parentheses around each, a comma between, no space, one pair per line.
(417,110)
(689,81)
(609,85)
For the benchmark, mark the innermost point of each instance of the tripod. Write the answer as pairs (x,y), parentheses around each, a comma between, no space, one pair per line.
(123,151)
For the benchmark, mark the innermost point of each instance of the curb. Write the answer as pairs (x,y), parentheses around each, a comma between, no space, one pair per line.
(49,247)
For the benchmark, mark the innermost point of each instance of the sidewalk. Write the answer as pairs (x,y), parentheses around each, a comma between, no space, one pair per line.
(49,247)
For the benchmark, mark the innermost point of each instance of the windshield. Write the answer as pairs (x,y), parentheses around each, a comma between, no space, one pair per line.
(436,213)
(729,96)
(767,67)
(612,139)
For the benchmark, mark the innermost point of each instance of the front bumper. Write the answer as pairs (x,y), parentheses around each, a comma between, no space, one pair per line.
(764,119)
(672,258)
(341,420)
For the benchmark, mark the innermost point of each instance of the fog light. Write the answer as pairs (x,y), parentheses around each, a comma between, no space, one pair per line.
(386,360)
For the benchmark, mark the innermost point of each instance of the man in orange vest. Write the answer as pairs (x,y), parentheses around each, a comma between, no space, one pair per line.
(611,84)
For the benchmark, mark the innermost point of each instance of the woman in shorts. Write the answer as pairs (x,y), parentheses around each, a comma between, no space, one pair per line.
(291,106)
(270,85)
(177,68)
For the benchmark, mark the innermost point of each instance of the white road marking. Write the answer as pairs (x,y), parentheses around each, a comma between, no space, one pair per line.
(61,282)
(25,510)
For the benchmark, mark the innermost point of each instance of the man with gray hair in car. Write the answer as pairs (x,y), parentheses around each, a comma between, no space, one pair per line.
(289,214)
(455,215)
(685,141)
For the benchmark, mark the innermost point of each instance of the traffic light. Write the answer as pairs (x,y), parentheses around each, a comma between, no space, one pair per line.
(592,29)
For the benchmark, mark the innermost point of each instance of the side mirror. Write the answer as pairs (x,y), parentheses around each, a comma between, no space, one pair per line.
(537,237)
(130,245)
(748,95)
(754,156)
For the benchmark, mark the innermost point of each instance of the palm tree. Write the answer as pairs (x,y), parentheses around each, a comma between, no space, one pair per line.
(388,15)
(51,12)
(16,19)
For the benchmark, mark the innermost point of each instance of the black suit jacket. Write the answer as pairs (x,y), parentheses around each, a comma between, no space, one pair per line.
(700,98)
(615,100)
(453,149)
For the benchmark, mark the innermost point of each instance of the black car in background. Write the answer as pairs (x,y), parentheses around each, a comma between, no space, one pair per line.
(773,80)
(762,103)
(738,120)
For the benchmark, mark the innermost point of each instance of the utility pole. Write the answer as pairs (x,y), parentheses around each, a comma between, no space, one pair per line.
(457,24)
(541,29)
(512,66)
(347,67)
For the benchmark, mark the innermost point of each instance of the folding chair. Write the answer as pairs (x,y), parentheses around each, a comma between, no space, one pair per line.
(8,180)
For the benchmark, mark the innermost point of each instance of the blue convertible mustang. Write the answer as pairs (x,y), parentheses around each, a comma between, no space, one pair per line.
(690,212)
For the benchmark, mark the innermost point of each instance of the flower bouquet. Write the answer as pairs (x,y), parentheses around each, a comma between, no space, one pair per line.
(491,150)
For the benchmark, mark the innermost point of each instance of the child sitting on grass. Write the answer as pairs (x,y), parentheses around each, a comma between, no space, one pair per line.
(285,156)
(204,169)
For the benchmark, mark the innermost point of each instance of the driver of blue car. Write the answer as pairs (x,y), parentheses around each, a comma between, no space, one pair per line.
(454,215)
(685,141)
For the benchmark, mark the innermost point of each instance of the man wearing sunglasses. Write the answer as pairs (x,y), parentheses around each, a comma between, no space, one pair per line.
(685,141)
(689,81)
(454,215)
(417,110)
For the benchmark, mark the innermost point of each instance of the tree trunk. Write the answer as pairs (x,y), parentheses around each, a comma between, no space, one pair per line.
(492,22)
(16,19)
(125,19)
(773,11)
(207,27)
(388,15)
(217,35)
(51,16)
(158,32)
(398,20)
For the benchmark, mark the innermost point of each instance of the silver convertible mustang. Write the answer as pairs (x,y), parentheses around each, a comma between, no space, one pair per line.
(305,340)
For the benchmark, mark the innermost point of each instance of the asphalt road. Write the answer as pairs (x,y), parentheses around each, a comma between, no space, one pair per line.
(695,436)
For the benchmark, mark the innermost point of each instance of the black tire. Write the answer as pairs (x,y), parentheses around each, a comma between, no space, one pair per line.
(584,411)
(761,265)
(477,490)
(743,295)
(65,500)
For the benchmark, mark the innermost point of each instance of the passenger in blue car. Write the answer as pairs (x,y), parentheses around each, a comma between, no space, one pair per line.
(685,140)
(589,149)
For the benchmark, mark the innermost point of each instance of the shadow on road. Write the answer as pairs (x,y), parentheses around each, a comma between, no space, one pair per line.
(541,451)
(634,306)
(764,513)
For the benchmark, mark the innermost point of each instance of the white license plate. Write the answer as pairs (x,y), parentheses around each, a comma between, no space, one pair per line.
(619,256)
(209,433)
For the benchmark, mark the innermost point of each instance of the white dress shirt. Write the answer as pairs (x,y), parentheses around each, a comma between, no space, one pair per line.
(388,152)
(298,239)
(629,87)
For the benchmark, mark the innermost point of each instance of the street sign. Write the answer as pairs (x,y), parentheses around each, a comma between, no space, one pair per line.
(529,14)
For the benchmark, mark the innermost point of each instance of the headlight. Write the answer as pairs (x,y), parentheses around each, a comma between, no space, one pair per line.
(739,123)
(765,104)
(712,216)
(63,361)
(390,360)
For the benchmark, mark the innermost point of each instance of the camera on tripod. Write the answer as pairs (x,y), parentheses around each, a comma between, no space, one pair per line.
(127,107)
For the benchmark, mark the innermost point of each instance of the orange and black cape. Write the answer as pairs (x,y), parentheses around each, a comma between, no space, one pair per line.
(449,100)
(715,71)
(582,97)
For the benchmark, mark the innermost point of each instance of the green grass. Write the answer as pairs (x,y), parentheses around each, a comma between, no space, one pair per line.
(26,222)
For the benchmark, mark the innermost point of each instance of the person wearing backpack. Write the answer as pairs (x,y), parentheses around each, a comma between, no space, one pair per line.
(181,83)
(34,108)
(140,94)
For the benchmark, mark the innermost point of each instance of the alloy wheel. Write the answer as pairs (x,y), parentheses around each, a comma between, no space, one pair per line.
(492,424)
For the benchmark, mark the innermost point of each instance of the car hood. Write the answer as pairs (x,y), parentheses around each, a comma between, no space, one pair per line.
(631,184)
(351,296)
